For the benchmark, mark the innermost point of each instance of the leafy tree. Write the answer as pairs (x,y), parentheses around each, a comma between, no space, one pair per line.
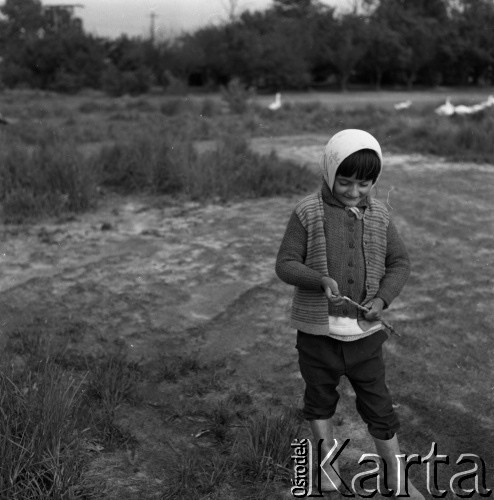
(246,50)
(345,45)
(43,54)
(437,9)
(23,19)
(284,68)
(383,47)
(267,36)
(417,30)
(65,61)
(473,40)
(321,67)
(127,68)
(204,56)
(254,49)
(291,45)
(298,9)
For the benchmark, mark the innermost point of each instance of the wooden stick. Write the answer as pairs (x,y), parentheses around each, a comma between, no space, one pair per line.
(365,309)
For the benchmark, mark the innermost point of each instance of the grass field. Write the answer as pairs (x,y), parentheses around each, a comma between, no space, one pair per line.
(145,338)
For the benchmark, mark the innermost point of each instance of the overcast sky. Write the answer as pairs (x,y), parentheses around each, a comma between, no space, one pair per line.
(110,18)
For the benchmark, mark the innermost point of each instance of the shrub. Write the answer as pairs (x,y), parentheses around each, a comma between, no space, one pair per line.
(173,85)
(67,82)
(50,178)
(117,83)
(97,106)
(237,96)
(232,170)
(150,163)
(176,106)
(171,165)
(263,451)
(209,108)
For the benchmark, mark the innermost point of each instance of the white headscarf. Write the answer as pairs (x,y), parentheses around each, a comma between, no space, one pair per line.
(342,145)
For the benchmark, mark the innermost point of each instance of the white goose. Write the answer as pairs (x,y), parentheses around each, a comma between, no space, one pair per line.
(277,102)
(461,109)
(403,105)
(475,108)
(488,102)
(447,109)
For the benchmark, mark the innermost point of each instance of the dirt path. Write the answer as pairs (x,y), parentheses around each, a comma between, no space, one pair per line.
(161,279)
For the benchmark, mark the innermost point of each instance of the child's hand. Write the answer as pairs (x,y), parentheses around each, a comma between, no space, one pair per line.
(331,290)
(376,306)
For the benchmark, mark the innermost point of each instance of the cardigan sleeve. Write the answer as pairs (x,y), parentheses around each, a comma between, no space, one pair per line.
(290,266)
(397,267)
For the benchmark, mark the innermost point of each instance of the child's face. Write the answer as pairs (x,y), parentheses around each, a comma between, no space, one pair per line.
(350,191)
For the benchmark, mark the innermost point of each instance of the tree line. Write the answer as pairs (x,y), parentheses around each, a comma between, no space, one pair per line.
(294,44)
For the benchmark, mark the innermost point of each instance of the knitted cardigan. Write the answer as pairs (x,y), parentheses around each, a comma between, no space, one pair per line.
(310,307)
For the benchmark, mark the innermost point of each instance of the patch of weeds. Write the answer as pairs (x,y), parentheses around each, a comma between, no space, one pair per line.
(30,344)
(90,107)
(99,106)
(176,368)
(209,108)
(36,343)
(113,381)
(147,161)
(173,85)
(72,359)
(179,408)
(233,171)
(262,451)
(242,401)
(140,104)
(50,178)
(211,377)
(177,106)
(74,330)
(253,458)
(122,116)
(29,348)
(260,491)
(275,400)
(220,420)
(40,444)
(115,436)
(237,96)
(110,384)
(241,398)
(193,475)
(172,107)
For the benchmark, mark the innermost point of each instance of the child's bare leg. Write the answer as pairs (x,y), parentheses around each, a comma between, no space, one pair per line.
(388,450)
(323,429)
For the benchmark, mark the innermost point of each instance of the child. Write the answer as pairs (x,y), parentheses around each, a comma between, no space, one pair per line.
(340,242)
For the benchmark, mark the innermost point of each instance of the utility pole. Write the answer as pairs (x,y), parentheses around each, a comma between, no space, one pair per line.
(152,16)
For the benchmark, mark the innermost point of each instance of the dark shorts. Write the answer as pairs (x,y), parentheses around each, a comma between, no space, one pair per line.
(323,360)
